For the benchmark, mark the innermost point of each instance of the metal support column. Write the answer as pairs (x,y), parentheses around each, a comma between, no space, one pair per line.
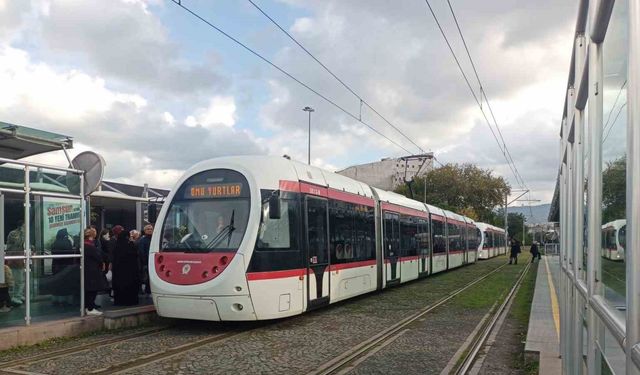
(27,246)
(83,225)
(632,258)
(578,212)
(594,201)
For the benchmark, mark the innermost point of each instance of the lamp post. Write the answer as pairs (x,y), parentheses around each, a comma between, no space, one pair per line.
(309,109)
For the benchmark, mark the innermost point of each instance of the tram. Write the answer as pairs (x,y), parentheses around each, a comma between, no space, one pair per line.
(492,241)
(254,237)
(614,239)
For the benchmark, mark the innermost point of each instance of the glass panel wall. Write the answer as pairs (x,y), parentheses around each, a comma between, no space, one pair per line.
(614,157)
(13,280)
(55,232)
(41,253)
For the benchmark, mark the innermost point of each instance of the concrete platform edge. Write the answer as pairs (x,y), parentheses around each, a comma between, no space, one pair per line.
(39,332)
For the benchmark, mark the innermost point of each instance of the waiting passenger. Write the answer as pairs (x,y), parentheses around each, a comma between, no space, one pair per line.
(15,246)
(94,279)
(5,298)
(515,250)
(535,253)
(126,281)
(134,236)
(143,253)
(62,295)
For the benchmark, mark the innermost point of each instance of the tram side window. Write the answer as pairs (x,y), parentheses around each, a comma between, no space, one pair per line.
(341,231)
(611,239)
(365,234)
(423,237)
(439,241)
(391,235)
(408,231)
(471,238)
(454,237)
(279,234)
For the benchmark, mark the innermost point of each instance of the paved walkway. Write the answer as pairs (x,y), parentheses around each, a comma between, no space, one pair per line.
(543,335)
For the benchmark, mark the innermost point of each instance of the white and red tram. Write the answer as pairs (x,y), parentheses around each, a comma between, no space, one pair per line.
(253,237)
(492,241)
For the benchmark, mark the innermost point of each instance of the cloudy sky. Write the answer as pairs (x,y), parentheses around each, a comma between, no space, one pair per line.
(154,90)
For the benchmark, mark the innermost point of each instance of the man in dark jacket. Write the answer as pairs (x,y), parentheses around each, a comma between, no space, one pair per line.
(535,253)
(143,252)
(515,249)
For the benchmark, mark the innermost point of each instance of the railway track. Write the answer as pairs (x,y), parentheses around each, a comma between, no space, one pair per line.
(352,358)
(488,328)
(8,366)
(21,366)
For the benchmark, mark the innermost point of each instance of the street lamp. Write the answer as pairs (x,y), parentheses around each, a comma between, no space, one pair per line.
(309,109)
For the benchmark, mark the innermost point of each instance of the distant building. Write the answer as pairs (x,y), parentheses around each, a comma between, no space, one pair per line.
(389,173)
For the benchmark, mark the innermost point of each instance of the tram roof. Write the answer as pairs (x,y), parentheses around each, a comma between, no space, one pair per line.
(17,142)
(399,199)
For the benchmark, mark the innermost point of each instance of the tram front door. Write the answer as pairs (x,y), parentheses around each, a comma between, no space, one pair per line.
(391,243)
(318,280)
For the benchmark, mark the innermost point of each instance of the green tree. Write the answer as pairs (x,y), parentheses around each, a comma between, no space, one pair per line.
(614,190)
(462,188)
(516,221)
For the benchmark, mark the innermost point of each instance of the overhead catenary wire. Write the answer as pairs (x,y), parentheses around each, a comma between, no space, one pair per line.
(614,121)
(606,124)
(362,101)
(483,93)
(466,79)
(289,75)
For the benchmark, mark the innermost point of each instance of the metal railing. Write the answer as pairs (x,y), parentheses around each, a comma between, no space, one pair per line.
(552,249)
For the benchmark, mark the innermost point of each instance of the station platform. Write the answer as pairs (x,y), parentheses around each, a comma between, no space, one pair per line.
(543,334)
(70,324)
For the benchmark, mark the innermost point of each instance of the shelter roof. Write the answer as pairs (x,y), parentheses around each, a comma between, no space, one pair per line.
(17,142)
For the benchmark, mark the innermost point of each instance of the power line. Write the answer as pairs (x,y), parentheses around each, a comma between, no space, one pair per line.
(281,70)
(614,121)
(455,57)
(484,93)
(333,74)
(614,106)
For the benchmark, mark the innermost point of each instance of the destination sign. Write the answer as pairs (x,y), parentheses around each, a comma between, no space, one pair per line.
(213,191)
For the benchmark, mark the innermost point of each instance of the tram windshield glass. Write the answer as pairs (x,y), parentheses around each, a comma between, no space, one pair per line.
(208,213)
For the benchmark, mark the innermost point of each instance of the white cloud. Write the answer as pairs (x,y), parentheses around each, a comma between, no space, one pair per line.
(140,141)
(64,96)
(221,111)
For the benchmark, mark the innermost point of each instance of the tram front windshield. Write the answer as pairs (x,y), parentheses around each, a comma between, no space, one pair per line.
(208,213)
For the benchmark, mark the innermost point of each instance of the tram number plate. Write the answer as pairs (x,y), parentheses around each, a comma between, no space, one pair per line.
(313,260)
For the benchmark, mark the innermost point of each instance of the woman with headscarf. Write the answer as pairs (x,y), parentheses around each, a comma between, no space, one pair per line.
(125,281)
(62,245)
(94,279)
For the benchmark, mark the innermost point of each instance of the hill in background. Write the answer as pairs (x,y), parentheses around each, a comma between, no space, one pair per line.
(537,214)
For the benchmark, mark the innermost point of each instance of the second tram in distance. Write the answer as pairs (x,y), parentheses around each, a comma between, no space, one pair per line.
(614,239)
(492,241)
(254,237)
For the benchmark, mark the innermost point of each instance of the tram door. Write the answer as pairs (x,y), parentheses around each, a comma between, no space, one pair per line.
(318,280)
(391,248)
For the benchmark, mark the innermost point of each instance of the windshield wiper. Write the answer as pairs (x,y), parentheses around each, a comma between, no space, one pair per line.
(226,231)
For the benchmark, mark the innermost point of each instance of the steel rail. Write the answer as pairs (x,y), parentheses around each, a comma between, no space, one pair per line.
(162,355)
(473,352)
(10,365)
(341,362)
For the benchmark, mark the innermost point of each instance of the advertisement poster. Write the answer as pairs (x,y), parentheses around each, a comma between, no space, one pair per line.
(61,216)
